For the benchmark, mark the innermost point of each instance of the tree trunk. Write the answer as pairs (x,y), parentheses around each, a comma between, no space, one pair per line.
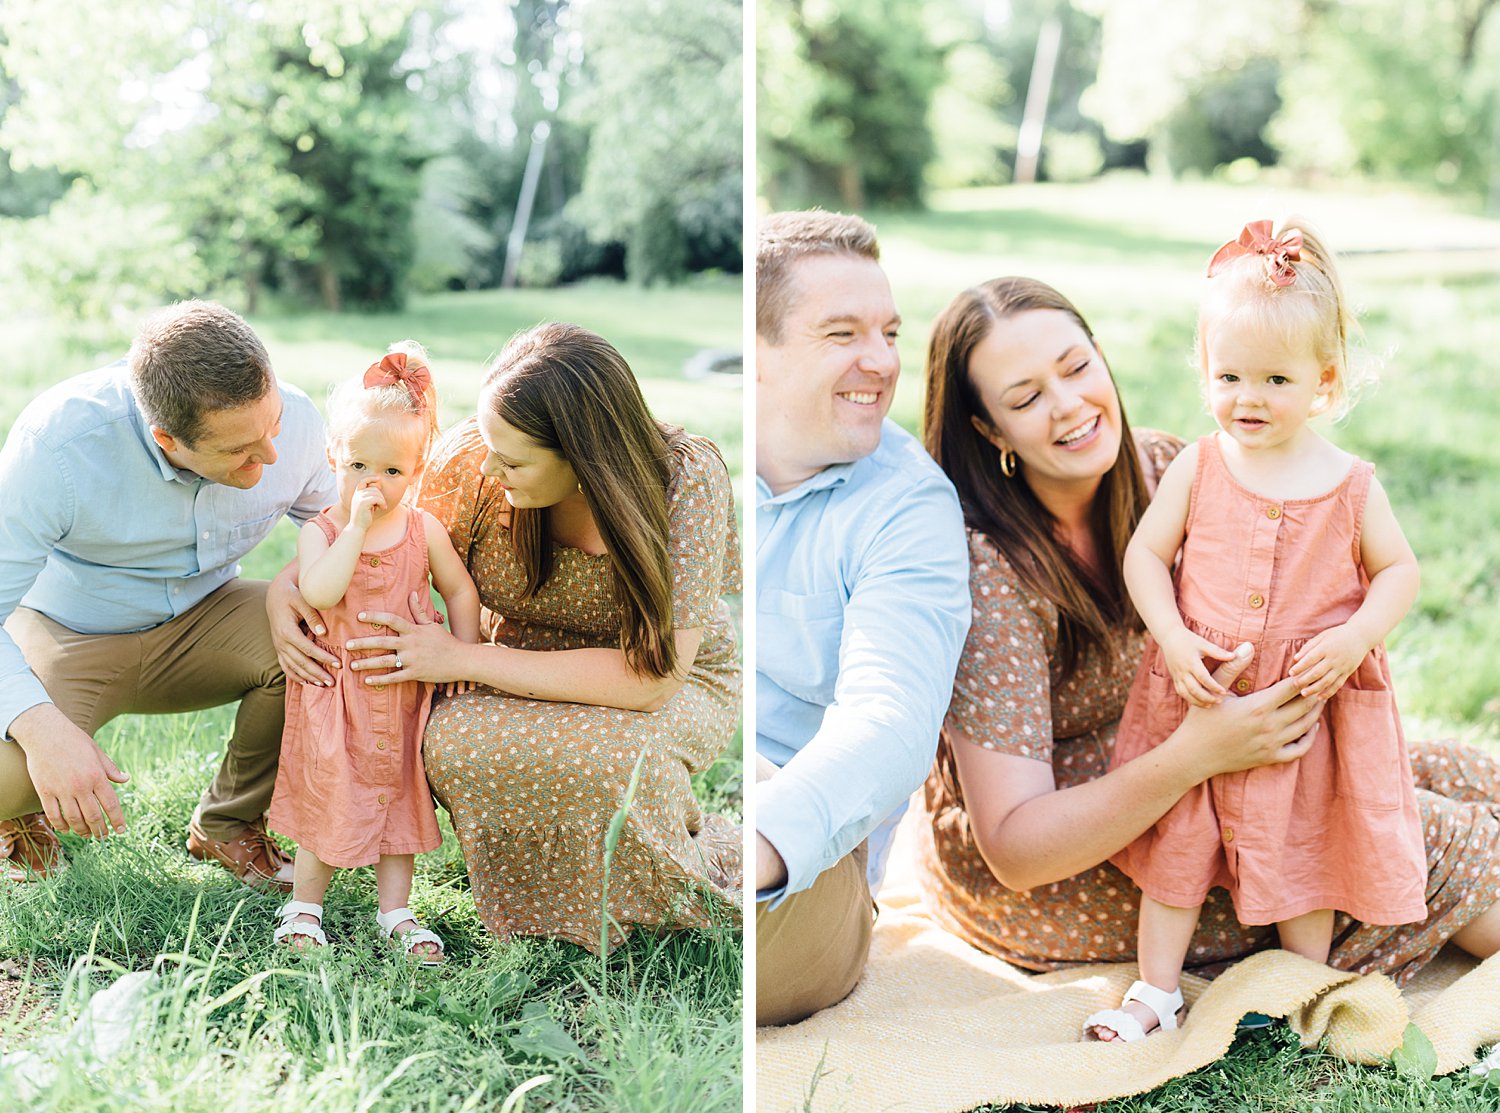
(851,186)
(1038,92)
(328,286)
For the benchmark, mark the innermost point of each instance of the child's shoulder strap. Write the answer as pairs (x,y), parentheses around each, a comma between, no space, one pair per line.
(325,523)
(416,526)
(1358,496)
(1204,446)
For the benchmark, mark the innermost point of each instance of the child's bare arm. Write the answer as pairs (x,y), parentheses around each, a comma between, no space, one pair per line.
(453,583)
(1328,660)
(459,594)
(1154,545)
(1148,575)
(1391,566)
(324,570)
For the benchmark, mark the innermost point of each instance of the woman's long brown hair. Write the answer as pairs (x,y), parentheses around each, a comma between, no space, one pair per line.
(1090,608)
(569,390)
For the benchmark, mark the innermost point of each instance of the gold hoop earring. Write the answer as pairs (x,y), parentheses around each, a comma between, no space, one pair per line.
(1007,463)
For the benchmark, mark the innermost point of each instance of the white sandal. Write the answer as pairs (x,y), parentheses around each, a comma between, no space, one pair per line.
(409,939)
(291,926)
(1165,1005)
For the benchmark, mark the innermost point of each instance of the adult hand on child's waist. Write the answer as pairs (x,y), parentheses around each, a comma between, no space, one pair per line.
(416,650)
(1274,725)
(302,659)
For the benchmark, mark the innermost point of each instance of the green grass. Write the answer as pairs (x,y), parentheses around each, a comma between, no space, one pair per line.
(237,1023)
(1269,1072)
(1426,281)
(241,1023)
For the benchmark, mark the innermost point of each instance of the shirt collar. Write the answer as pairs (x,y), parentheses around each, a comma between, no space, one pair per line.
(169,471)
(835,475)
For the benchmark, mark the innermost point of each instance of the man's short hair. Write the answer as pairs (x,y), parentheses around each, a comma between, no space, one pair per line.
(785,238)
(193,359)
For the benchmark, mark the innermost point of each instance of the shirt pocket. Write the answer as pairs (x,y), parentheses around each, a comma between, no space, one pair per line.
(1368,762)
(798,641)
(240,539)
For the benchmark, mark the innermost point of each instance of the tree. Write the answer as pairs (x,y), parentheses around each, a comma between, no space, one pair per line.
(1376,87)
(1410,91)
(845,115)
(976,115)
(280,137)
(661,96)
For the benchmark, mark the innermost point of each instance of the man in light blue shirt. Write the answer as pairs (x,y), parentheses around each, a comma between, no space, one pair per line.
(127,497)
(862,604)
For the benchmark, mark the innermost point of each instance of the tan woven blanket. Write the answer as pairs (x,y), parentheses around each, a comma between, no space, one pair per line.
(936,1025)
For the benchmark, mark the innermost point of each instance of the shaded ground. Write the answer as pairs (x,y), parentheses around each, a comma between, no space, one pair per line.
(17,996)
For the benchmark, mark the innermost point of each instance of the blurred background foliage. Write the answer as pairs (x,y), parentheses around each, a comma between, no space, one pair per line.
(346,154)
(881,101)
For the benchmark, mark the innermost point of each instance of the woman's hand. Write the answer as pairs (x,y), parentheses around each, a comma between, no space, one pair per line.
(299,655)
(1269,727)
(1032,833)
(420,650)
(1184,653)
(1323,664)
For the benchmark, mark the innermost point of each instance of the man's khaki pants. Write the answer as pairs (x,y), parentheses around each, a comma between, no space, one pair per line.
(810,950)
(213,654)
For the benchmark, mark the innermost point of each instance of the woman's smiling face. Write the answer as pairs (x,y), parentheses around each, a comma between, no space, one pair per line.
(1049,397)
(530,474)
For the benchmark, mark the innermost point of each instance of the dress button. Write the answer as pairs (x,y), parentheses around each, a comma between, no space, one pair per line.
(1228,831)
(1242,685)
(1257,601)
(1273,512)
(381,799)
(380,745)
(374,562)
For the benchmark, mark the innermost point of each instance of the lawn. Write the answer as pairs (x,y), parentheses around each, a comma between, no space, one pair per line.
(1426,281)
(239,1024)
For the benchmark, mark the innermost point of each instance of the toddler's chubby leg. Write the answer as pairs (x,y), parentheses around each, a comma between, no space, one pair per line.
(1309,935)
(1165,932)
(393,874)
(310,877)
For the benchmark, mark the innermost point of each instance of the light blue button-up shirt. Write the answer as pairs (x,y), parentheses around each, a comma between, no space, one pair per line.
(862,605)
(98,531)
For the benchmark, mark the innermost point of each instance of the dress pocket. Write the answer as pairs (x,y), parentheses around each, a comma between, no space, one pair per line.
(1368,769)
(1165,709)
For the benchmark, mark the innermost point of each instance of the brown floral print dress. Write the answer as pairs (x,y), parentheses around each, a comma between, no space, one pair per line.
(1003,700)
(532,785)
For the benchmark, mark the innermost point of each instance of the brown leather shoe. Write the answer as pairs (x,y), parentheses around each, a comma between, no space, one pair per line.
(253,856)
(29,848)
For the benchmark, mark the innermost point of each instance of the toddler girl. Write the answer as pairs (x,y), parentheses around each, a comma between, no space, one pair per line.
(350,789)
(1288,544)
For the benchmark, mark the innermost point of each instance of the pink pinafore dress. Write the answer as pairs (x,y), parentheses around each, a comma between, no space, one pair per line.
(351,786)
(1338,828)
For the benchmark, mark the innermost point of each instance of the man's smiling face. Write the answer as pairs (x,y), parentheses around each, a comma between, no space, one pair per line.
(824,387)
(235,445)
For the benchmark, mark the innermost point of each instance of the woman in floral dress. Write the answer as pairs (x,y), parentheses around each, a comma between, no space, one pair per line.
(1023,415)
(602,542)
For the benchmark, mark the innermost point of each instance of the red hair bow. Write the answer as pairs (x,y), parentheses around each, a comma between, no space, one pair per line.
(395,370)
(1256,239)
